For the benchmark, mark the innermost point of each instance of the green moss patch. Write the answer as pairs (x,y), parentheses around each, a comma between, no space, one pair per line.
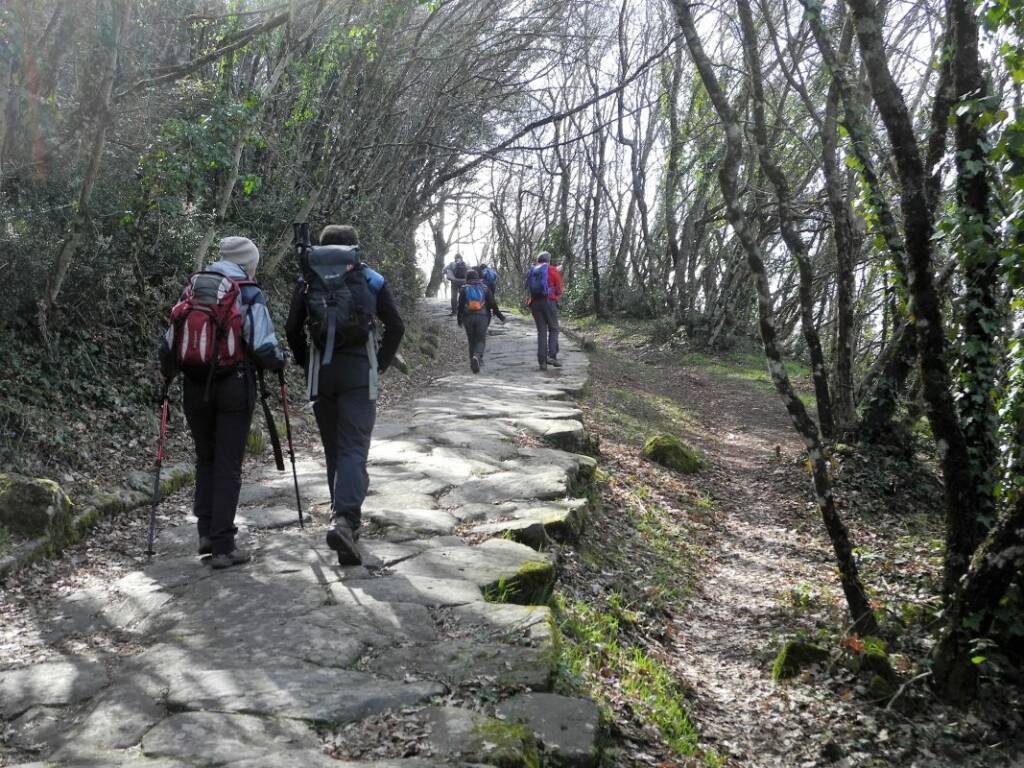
(673,453)
(795,656)
(507,745)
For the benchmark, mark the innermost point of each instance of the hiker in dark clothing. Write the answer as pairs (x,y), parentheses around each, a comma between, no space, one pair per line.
(219,399)
(455,273)
(544,283)
(476,305)
(344,391)
(490,278)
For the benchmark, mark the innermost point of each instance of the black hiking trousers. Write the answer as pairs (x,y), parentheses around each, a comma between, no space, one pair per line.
(220,428)
(457,284)
(476,325)
(345,415)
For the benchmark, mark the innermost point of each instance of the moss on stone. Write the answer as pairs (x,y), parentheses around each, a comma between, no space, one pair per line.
(794,656)
(507,745)
(873,659)
(673,453)
(175,479)
(881,688)
(29,506)
(530,585)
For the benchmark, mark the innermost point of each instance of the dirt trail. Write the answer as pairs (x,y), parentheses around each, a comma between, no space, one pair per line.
(766,574)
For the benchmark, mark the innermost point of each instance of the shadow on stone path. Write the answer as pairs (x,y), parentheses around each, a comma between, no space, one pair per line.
(251,666)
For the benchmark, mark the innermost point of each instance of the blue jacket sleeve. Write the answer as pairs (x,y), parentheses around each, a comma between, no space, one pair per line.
(259,330)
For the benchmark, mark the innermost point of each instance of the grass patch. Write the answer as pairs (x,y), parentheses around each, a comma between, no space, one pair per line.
(594,648)
(6,541)
(635,414)
(748,366)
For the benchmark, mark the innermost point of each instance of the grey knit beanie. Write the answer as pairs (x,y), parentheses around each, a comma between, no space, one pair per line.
(544,257)
(241,251)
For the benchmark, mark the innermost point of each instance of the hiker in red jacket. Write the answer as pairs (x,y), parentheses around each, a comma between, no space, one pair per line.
(544,283)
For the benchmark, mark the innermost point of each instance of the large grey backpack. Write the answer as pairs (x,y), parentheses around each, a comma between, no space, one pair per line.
(339,303)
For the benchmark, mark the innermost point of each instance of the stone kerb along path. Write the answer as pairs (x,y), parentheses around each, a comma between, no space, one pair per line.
(264,664)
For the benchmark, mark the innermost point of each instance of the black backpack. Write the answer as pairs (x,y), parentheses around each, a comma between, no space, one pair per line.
(460,270)
(339,303)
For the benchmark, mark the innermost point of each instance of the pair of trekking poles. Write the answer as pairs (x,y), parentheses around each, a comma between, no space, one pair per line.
(275,442)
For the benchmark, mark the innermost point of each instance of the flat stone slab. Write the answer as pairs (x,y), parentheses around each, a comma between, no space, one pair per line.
(216,738)
(52,683)
(473,737)
(376,623)
(496,564)
(317,759)
(506,622)
(544,484)
(567,728)
(118,719)
(299,691)
(36,728)
(457,662)
(529,532)
(427,522)
(402,589)
(268,516)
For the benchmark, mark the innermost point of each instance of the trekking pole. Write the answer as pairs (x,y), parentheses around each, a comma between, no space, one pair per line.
(291,446)
(165,397)
(275,439)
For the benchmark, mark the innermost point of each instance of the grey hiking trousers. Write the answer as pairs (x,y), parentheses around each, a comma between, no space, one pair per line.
(545,315)
(476,325)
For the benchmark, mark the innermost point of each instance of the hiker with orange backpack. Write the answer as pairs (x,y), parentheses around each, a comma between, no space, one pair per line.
(476,305)
(219,329)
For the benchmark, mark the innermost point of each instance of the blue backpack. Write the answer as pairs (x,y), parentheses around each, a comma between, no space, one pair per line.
(476,297)
(490,278)
(537,281)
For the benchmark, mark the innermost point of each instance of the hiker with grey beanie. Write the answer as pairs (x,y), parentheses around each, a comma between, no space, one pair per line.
(220,329)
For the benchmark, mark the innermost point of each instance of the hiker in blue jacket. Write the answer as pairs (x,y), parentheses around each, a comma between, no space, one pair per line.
(219,406)
(476,305)
(344,393)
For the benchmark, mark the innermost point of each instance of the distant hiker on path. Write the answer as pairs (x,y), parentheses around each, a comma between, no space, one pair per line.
(544,284)
(490,278)
(338,300)
(476,305)
(455,273)
(219,326)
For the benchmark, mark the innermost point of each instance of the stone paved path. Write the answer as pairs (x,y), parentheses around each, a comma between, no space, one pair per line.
(253,665)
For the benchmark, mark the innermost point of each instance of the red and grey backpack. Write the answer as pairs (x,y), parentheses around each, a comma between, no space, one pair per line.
(208,322)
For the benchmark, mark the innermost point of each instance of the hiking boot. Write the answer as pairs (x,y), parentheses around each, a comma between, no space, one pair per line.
(342,539)
(553,362)
(474,363)
(543,366)
(226,560)
(205,545)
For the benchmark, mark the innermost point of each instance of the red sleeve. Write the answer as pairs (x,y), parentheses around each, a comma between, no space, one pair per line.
(555,280)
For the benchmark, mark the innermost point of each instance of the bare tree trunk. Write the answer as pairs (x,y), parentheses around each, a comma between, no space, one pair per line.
(794,242)
(119,17)
(440,252)
(845,239)
(963,497)
(856,597)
